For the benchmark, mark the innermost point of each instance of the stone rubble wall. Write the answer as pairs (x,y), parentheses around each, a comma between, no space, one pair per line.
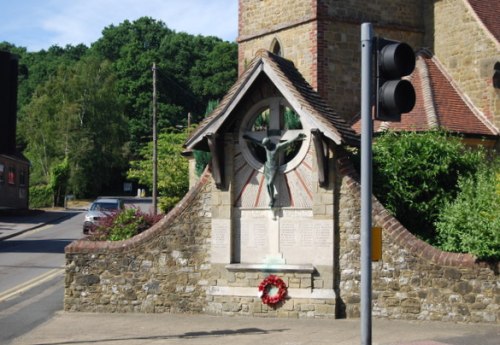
(413,281)
(164,269)
(167,269)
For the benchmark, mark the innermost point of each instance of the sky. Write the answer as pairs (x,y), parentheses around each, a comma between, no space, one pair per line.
(40,24)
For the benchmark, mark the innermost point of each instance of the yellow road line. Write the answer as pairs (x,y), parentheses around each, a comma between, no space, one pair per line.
(16,290)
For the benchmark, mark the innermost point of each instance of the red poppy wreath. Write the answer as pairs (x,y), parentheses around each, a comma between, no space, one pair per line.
(272,290)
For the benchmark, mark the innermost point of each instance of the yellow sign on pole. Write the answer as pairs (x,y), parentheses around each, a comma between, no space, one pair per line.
(376,243)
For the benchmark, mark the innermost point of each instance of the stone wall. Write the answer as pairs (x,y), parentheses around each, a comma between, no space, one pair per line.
(164,269)
(413,281)
(322,38)
(468,51)
(168,269)
(234,291)
(296,45)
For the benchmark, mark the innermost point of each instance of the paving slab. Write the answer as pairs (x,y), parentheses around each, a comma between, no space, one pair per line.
(152,329)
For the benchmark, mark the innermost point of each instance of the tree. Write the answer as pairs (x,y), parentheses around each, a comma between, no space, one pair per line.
(93,105)
(59,182)
(173,181)
(202,158)
(76,115)
(415,174)
(191,70)
(471,222)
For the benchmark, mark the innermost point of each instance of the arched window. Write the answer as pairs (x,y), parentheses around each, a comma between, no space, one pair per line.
(496,76)
(276,47)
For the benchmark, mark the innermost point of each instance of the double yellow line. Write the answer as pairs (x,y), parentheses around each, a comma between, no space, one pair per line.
(16,290)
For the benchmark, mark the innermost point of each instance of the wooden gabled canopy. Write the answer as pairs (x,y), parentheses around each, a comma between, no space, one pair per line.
(304,100)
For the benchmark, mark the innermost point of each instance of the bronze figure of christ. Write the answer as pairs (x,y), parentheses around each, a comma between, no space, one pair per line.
(271,165)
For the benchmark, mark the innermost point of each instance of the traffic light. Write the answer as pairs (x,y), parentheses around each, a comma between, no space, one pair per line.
(395,96)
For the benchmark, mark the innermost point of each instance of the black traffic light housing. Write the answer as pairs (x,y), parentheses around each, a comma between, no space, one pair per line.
(395,96)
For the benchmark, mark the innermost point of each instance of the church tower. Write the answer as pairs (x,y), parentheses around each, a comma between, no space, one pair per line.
(322,39)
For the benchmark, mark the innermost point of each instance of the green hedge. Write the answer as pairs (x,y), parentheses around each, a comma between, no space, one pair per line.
(471,222)
(40,196)
(416,174)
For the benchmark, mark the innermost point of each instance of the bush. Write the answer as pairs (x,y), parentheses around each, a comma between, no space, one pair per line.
(416,174)
(167,203)
(202,159)
(471,223)
(40,196)
(123,225)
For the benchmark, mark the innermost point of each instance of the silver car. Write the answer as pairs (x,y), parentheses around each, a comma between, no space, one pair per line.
(99,209)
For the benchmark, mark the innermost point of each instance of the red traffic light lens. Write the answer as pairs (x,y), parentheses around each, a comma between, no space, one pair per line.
(397,60)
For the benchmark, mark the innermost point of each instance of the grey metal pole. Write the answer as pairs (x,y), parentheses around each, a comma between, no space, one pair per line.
(366,183)
(155,146)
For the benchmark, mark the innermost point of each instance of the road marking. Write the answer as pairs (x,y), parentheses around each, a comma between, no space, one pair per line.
(16,290)
(15,308)
(35,230)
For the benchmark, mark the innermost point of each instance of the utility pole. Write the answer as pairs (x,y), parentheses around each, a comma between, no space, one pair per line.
(155,145)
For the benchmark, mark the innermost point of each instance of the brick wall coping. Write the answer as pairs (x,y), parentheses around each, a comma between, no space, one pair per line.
(270,268)
(400,235)
(85,245)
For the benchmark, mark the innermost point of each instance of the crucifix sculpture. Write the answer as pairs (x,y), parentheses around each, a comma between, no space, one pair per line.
(272,160)
(274,140)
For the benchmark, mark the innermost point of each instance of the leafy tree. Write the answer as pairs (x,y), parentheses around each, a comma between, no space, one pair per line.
(173,181)
(415,174)
(76,115)
(202,158)
(471,222)
(190,69)
(93,105)
(59,182)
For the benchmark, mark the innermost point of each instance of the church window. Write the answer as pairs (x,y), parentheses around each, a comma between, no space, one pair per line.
(276,47)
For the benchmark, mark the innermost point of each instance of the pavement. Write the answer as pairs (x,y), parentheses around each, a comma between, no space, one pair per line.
(67,328)
(15,223)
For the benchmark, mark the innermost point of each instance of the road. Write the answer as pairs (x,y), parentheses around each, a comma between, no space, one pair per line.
(32,275)
(32,272)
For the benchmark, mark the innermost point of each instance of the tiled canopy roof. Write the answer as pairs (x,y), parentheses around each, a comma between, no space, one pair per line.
(488,12)
(301,96)
(439,104)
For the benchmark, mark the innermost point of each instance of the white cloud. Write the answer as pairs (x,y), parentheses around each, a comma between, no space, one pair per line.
(41,24)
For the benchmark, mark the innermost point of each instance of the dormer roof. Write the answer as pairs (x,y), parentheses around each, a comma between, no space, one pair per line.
(488,12)
(294,88)
(439,104)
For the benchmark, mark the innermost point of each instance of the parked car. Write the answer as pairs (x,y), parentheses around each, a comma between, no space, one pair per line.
(99,209)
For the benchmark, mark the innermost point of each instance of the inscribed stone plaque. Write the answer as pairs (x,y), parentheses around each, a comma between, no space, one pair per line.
(323,234)
(288,231)
(306,232)
(254,239)
(306,241)
(221,241)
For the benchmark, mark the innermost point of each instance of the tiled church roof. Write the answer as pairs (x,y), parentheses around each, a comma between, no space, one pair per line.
(488,12)
(290,82)
(439,104)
